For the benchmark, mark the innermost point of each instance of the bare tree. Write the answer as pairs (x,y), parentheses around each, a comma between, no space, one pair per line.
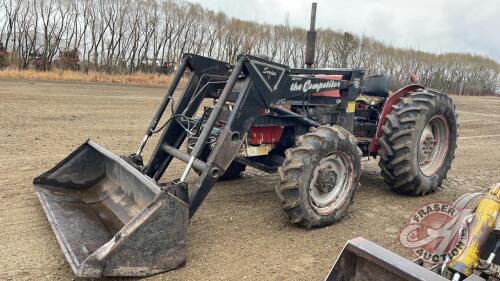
(343,48)
(144,35)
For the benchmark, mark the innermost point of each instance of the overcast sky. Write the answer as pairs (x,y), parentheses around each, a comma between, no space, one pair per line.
(430,25)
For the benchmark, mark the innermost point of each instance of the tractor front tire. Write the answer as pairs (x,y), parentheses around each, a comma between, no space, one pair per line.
(319,176)
(418,142)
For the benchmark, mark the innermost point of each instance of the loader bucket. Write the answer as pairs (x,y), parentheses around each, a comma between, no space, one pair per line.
(362,260)
(110,219)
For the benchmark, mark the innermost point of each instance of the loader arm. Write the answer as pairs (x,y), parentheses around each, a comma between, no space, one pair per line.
(202,71)
(262,84)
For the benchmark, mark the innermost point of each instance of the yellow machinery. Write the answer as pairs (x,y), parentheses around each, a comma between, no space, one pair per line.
(481,224)
(364,260)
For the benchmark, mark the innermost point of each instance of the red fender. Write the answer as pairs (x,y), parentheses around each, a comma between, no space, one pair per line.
(392,100)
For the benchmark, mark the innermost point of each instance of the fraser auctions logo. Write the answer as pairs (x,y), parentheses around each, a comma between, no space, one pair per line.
(436,233)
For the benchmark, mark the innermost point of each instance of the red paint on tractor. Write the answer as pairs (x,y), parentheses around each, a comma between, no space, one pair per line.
(392,100)
(264,135)
(329,93)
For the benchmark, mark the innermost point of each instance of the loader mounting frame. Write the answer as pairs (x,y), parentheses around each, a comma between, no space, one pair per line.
(264,85)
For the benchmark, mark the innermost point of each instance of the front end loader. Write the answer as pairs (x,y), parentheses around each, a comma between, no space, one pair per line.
(118,216)
(113,217)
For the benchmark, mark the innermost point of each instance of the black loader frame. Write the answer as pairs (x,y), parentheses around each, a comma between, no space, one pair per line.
(262,85)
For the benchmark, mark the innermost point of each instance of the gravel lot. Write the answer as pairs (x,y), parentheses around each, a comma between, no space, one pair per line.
(240,231)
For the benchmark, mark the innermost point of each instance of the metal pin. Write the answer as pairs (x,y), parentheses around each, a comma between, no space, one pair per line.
(143,143)
(491,257)
(187,169)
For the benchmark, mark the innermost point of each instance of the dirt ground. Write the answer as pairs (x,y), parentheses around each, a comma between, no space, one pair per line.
(240,231)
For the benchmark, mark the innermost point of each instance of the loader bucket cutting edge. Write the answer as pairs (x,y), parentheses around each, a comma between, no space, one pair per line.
(362,260)
(110,219)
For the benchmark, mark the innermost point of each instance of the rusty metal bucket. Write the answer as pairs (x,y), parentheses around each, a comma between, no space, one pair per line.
(109,218)
(362,260)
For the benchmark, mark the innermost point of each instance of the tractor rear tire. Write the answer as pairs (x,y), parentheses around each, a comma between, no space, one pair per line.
(418,142)
(319,176)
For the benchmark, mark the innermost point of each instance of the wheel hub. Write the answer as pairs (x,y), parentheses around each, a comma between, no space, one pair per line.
(331,179)
(433,145)
(428,143)
(326,180)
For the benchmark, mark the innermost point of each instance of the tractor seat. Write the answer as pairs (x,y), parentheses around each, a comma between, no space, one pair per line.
(377,85)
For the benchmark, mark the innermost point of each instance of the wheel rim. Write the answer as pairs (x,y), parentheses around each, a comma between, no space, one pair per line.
(433,145)
(331,182)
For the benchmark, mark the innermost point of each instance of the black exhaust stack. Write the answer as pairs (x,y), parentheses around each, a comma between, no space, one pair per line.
(311,38)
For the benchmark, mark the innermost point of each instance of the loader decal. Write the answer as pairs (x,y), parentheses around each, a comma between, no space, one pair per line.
(309,86)
(270,74)
(436,233)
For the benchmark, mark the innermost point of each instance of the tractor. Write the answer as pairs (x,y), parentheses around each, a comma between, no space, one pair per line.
(118,216)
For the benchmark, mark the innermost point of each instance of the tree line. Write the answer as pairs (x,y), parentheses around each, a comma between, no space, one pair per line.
(127,36)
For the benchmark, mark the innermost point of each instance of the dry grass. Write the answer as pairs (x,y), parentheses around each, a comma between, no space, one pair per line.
(146,79)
